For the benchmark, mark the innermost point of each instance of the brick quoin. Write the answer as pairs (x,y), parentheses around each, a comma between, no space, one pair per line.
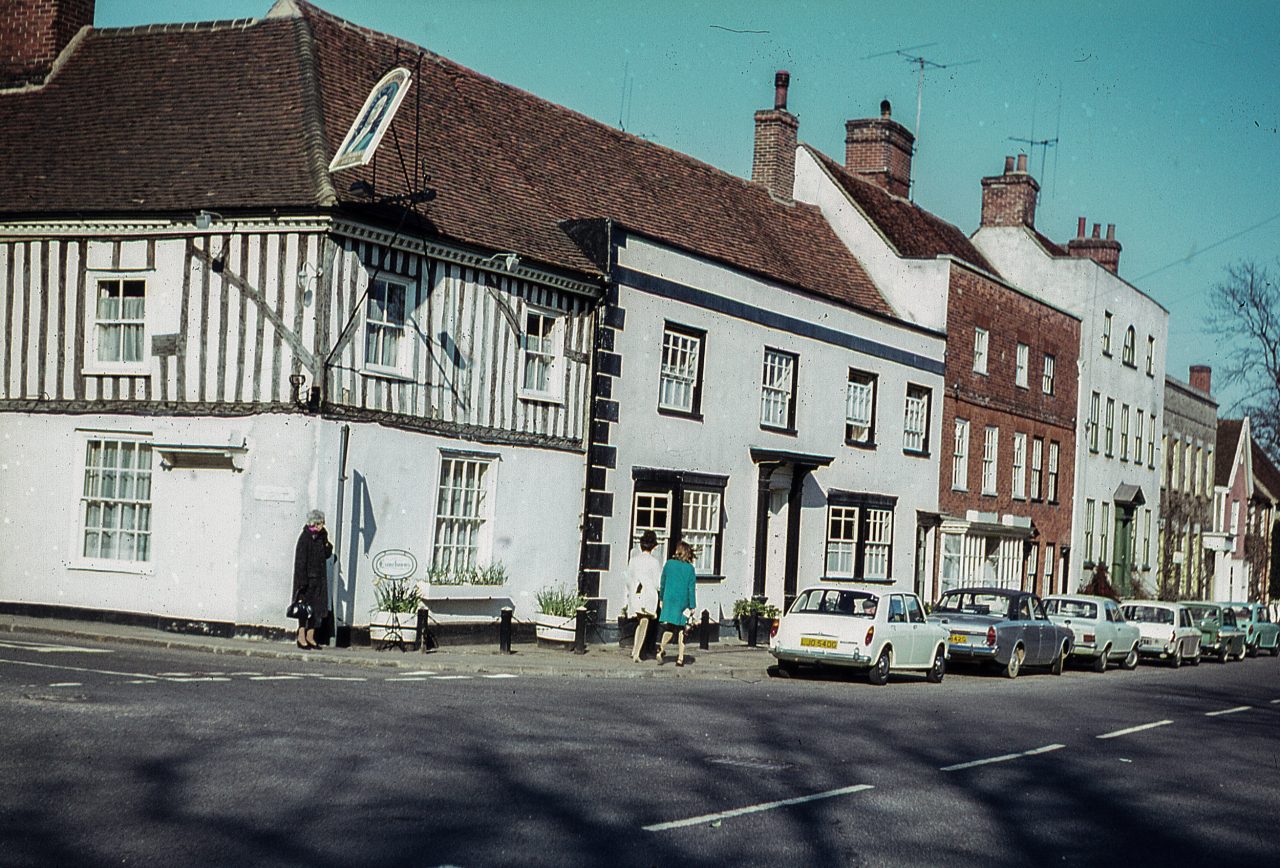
(995,400)
(33,34)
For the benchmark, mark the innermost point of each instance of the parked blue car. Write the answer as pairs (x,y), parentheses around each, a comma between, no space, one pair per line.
(1004,627)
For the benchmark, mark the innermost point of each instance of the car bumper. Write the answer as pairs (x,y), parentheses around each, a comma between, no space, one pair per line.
(827,658)
(971,652)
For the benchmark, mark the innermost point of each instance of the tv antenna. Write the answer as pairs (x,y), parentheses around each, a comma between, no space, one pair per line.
(1043,144)
(921,62)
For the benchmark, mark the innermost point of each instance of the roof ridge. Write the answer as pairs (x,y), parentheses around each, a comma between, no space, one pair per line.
(179,27)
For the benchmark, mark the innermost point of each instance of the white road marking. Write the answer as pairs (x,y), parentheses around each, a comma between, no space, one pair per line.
(46,648)
(1227,711)
(141,681)
(342,678)
(1133,729)
(500,675)
(275,678)
(754,809)
(193,678)
(1002,758)
(1275,702)
(67,684)
(407,679)
(421,672)
(450,677)
(77,669)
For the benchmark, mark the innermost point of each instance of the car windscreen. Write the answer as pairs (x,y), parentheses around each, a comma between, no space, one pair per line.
(1201,612)
(1149,614)
(1072,608)
(1242,613)
(829,601)
(970,603)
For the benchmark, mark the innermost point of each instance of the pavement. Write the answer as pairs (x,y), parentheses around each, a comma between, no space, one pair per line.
(727,659)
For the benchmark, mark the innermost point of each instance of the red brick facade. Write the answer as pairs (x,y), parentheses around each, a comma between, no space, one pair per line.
(34,32)
(1010,199)
(995,400)
(879,150)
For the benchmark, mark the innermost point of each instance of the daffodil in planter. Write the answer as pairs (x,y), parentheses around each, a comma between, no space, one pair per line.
(557,613)
(395,617)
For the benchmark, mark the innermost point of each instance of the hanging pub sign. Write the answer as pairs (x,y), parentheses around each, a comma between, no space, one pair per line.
(373,121)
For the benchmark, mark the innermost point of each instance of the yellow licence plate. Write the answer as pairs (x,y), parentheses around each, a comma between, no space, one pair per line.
(811,642)
(959,639)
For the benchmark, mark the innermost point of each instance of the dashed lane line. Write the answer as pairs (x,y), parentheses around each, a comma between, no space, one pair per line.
(1275,702)
(413,678)
(1002,758)
(32,663)
(48,648)
(275,678)
(1132,729)
(755,809)
(67,684)
(450,677)
(1238,708)
(500,675)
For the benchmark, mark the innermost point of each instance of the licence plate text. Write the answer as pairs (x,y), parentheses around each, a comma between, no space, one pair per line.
(812,642)
(959,639)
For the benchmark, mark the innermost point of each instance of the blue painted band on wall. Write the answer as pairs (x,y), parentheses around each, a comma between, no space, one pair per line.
(660,286)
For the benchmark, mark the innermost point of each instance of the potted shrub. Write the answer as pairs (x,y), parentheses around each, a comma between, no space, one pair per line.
(557,613)
(743,610)
(395,617)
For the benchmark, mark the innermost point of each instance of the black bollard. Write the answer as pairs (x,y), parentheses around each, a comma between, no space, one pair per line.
(751,632)
(504,631)
(580,631)
(423,638)
(704,635)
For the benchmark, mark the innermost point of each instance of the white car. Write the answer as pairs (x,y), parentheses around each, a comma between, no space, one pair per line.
(838,625)
(1168,630)
(1102,633)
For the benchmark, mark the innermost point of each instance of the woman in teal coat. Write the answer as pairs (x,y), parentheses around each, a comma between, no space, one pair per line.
(677,593)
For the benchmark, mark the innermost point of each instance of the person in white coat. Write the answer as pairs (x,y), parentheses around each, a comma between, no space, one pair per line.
(644,572)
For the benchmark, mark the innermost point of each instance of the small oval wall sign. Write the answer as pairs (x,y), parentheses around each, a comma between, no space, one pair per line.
(395,564)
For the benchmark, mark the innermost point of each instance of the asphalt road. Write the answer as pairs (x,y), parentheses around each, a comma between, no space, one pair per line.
(123,755)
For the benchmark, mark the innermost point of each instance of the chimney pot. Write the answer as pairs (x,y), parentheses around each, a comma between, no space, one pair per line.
(1022,162)
(1201,377)
(1111,232)
(781,82)
(1080,228)
(879,150)
(1008,165)
(886,110)
(1097,230)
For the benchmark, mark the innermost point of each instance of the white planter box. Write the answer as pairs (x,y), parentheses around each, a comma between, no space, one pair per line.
(463,592)
(393,626)
(554,628)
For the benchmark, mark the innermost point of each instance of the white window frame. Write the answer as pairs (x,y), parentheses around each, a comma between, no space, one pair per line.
(92,491)
(680,370)
(649,504)
(778,389)
(915,420)
(1046,380)
(1050,554)
(95,324)
(1137,436)
(1037,469)
(1128,354)
(990,458)
(1095,403)
(1146,537)
(842,540)
(960,457)
(1088,530)
(460,517)
(1110,440)
(1106,333)
(1022,365)
(1103,534)
(1151,440)
(387,326)
(1051,475)
(1124,432)
(981,346)
(700,526)
(546,347)
(1019,475)
(878,539)
(1151,355)
(860,407)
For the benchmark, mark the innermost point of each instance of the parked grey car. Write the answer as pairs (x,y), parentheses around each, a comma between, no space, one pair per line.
(1005,627)
(1102,635)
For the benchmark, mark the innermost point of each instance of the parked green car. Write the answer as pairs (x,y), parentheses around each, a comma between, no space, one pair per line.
(1219,635)
(1260,632)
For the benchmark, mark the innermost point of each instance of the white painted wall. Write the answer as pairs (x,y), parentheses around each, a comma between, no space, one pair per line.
(721,442)
(1086,289)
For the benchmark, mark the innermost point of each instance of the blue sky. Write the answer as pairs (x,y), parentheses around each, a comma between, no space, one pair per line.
(1166,114)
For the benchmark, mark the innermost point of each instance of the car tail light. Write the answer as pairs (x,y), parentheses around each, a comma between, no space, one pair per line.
(991,637)
(871,631)
(1090,637)
(773,628)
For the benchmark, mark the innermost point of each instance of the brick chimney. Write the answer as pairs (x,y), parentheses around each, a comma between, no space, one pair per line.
(1104,251)
(1010,199)
(1201,377)
(774,161)
(879,149)
(33,34)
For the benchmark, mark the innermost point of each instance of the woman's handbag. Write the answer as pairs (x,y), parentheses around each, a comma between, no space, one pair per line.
(298,609)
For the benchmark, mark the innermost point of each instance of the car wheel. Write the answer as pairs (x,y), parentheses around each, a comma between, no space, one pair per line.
(1243,650)
(1014,666)
(1176,660)
(1223,653)
(879,673)
(1253,650)
(1131,659)
(1060,662)
(787,668)
(1275,649)
(939,667)
(1100,662)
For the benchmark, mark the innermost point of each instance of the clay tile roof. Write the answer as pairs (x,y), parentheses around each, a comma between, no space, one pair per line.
(248,115)
(913,231)
(1224,453)
(1050,247)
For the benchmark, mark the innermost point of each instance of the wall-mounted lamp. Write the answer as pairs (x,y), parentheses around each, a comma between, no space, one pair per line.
(204,219)
(295,387)
(510,261)
(219,262)
(307,274)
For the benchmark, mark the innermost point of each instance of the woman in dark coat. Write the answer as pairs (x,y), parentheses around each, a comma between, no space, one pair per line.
(310,576)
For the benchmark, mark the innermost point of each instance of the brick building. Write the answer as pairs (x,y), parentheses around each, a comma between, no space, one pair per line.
(1186,488)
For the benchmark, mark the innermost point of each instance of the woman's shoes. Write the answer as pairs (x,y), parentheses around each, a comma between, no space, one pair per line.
(313,647)
(660,657)
(680,661)
(304,647)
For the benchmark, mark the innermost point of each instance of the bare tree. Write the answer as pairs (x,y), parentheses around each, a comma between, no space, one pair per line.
(1244,312)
